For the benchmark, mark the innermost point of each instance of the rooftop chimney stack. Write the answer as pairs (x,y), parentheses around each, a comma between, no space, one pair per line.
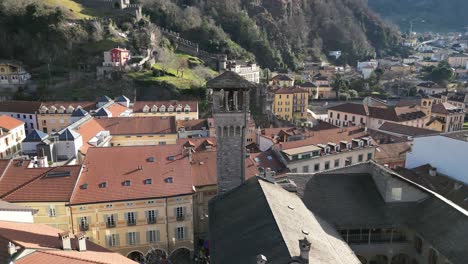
(304,246)
(81,241)
(65,237)
(261,259)
(11,248)
(433,171)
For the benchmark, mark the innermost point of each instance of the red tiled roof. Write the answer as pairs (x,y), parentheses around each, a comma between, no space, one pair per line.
(44,239)
(86,105)
(29,107)
(282,77)
(357,109)
(446,108)
(116,109)
(192,124)
(138,125)
(138,105)
(290,90)
(118,164)
(22,184)
(386,113)
(268,159)
(325,136)
(9,123)
(392,152)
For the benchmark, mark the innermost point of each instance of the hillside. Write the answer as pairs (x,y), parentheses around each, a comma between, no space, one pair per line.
(427,15)
(279,33)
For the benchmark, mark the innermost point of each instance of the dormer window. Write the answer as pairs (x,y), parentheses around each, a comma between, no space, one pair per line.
(170,109)
(61,109)
(43,109)
(154,109)
(179,108)
(84,186)
(327,150)
(187,109)
(103,185)
(126,183)
(146,109)
(52,109)
(148,181)
(70,109)
(162,108)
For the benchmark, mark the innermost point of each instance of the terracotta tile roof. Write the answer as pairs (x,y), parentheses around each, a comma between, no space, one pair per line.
(27,107)
(394,152)
(87,105)
(357,109)
(407,103)
(22,184)
(446,108)
(87,131)
(116,165)
(291,90)
(116,109)
(282,77)
(405,130)
(138,105)
(268,159)
(192,124)
(9,123)
(44,240)
(139,125)
(324,136)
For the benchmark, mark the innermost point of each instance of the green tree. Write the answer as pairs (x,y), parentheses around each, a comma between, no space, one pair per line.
(340,84)
(442,73)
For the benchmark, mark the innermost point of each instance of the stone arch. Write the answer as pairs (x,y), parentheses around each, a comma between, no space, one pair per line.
(362,259)
(238,131)
(181,255)
(231,131)
(156,256)
(136,255)
(379,259)
(401,259)
(116,5)
(219,131)
(225,132)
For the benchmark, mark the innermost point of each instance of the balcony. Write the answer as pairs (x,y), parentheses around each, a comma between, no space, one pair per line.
(131,223)
(180,218)
(84,227)
(151,221)
(110,225)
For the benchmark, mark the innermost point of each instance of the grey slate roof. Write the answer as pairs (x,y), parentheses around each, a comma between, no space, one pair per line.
(406,130)
(103,99)
(256,218)
(229,80)
(6,206)
(68,135)
(121,99)
(79,112)
(352,200)
(102,112)
(35,136)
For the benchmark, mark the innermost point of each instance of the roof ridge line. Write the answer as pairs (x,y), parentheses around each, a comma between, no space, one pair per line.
(51,252)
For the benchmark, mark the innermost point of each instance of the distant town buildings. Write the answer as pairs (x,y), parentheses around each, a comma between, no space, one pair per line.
(290,103)
(182,110)
(12,74)
(114,60)
(246,69)
(11,134)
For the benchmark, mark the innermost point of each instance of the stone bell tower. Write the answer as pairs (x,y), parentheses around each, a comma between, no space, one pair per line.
(230,100)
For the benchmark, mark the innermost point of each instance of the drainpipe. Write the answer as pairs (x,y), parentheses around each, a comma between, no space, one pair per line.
(167,231)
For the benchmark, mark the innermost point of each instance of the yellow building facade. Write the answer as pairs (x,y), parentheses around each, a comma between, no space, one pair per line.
(55,214)
(140,140)
(291,103)
(181,110)
(55,116)
(164,224)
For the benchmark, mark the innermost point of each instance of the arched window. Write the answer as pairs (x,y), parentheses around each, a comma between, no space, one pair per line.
(231,131)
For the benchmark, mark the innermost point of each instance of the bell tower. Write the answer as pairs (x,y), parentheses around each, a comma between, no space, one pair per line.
(230,102)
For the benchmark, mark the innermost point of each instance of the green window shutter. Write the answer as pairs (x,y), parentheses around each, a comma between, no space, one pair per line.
(147,236)
(137,240)
(135,214)
(158,235)
(117,239)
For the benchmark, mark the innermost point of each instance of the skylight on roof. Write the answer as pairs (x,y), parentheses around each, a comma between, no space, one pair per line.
(126,183)
(84,186)
(56,174)
(148,181)
(103,185)
(171,158)
(169,180)
(151,159)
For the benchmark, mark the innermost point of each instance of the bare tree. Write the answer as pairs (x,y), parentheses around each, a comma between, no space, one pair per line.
(166,58)
(203,73)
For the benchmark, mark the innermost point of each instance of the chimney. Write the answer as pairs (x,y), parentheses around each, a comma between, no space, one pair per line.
(65,237)
(433,171)
(81,241)
(304,246)
(261,259)
(190,154)
(12,249)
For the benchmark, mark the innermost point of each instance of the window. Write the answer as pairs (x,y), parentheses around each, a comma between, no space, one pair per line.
(396,194)
(317,167)
(179,213)
(432,256)
(345,117)
(418,244)
(348,161)
(18,115)
(294,170)
(305,169)
(353,119)
(162,142)
(362,120)
(126,183)
(83,222)
(337,163)
(112,240)
(52,212)
(153,236)
(133,238)
(360,157)
(327,165)
(151,216)
(44,122)
(331,114)
(131,218)
(148,181)
(338,116)
(369,156)
(110,220)
(180,233)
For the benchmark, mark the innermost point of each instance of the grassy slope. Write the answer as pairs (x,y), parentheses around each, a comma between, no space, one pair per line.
(189,78)
(75,10)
